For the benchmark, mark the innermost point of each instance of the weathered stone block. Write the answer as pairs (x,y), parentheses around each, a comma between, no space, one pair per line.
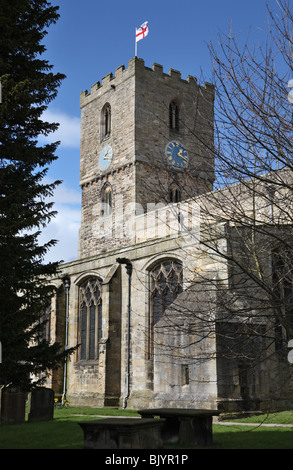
(123,433)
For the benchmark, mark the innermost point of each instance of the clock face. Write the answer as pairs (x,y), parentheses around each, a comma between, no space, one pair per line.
(177,155)
(105,158)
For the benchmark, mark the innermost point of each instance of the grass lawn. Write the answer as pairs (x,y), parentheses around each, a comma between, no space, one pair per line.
(63,432)
(244,437)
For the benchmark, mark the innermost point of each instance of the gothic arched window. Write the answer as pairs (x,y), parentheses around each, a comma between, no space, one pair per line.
(166,282)
(106,121)
(47,323)
(107,199)
(90,319)
(174,116)
(174,193)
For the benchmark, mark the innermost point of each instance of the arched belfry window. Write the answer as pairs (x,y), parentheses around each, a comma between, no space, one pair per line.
(174,193)
(106,121)
(107,199)
(166,282)
(90,319)
(174,116)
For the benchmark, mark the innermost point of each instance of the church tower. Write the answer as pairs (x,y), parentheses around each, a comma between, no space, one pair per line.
(146,141)
(146,138)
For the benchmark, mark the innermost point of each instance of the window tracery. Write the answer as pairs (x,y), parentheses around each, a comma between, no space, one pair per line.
(90,317)
(166,283)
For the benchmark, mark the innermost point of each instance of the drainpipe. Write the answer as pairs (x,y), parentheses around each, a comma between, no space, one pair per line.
(66,282)
(128,266)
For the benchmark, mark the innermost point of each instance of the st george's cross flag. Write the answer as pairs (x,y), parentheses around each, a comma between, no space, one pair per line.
(142,32)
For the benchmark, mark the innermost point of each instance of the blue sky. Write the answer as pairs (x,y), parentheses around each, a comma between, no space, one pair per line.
(93,38)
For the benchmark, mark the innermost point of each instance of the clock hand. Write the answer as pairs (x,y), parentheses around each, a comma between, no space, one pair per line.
(105,156)
(184,157)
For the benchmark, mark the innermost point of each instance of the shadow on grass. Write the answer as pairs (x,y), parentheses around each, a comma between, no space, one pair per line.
(65,433)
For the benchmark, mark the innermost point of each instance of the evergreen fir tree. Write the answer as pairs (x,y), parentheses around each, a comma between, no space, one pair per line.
(28,86)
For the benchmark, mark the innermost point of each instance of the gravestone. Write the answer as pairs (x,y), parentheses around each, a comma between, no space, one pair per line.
(12,406)
(41,404)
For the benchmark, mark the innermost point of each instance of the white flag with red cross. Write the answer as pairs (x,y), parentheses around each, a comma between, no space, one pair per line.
(142,32)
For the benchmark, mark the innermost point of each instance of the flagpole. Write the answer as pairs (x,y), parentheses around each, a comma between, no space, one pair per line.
(135,44)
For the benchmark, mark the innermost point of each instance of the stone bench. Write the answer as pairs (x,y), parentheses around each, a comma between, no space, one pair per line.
(123,433)
(184,426)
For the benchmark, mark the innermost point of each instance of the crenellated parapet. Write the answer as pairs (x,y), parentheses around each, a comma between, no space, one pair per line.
(136,66)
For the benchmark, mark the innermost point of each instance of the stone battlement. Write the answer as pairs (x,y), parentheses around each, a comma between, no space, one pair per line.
(137,66)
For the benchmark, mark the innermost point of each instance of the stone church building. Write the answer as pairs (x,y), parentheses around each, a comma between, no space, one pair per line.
(146,324)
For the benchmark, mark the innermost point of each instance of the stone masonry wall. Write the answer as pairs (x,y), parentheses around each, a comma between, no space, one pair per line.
(139,98)
(95,233)
(154,92)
